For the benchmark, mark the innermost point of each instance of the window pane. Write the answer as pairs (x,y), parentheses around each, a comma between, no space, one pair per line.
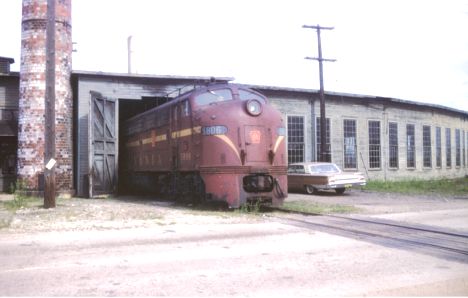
(448,148)
(410,146)
(295,139)
(438,147)
(393,144)
(427,147)
(350,146)
(457,148)
(213,96)
(247,95)
(374,144)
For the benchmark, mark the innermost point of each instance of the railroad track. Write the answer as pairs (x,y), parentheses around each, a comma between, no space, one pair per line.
(439,242)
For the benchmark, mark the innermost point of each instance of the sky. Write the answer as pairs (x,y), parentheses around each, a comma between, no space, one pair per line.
(413,50)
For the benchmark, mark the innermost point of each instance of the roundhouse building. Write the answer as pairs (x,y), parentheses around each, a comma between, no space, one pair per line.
(385,138)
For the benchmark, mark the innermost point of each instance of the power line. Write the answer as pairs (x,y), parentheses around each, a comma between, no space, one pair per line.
(320,59)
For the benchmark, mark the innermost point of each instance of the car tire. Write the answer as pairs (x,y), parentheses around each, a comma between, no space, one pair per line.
(340,191)
(310,189)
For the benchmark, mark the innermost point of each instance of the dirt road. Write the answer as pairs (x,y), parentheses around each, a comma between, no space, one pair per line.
(128,247)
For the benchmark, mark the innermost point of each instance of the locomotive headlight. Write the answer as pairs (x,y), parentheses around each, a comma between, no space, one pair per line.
(254,107)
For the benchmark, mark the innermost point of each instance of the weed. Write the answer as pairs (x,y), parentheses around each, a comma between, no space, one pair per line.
(441,186)
(250,207)
(20,200)
(318,208)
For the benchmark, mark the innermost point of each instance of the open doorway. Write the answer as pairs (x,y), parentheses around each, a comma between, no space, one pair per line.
(127,109)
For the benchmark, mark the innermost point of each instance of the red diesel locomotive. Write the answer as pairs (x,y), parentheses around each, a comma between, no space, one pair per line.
(221,142)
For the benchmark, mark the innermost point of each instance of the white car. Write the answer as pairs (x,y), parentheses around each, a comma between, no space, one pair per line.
(314,176)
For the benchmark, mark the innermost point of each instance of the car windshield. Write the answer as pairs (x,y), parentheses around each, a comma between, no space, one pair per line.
(213,96)
(327,168)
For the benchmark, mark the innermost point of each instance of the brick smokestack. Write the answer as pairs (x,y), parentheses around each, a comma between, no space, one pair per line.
(31,124)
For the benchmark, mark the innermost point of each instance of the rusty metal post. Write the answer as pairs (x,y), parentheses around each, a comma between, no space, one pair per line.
(49,135)
(323,122)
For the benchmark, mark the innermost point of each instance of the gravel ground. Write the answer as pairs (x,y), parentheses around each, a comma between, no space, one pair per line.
(129,246)
(109,213)
(135,212)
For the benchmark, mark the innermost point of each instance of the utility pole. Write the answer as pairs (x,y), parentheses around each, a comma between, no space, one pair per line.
(323,122)
(49,134)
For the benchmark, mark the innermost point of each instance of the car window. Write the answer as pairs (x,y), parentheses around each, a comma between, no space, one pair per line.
(296,169)
(327,168)
(300,170)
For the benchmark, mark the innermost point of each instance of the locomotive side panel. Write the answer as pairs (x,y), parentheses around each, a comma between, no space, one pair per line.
(183,135)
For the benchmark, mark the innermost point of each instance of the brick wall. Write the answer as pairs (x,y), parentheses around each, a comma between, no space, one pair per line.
(32,94)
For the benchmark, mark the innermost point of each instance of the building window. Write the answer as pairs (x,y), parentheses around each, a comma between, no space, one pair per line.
(438,147)
(448,148)
(374,144)
(8,157)
(410,146)
(295,139)
(350,146)
(427,147)
(319,140)
(464,149)
(393,144)
(457,148)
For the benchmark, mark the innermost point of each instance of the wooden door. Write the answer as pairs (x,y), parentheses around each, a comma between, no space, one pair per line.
(103,145)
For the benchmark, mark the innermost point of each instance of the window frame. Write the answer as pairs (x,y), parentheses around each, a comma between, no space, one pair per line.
(300,145)
(457,148)
(352,135)
(410,146)
(438,147)
(448,147)
(427,146)
(374,144)
(393,148)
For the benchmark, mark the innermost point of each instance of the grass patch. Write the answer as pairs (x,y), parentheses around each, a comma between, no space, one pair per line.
(456,187)
(20,200)
(319,208)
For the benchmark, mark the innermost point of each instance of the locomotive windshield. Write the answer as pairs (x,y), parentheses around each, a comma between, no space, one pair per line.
(213,96)
(219,95)
(246,95)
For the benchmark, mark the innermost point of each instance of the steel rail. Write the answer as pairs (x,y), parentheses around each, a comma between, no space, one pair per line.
(398,233)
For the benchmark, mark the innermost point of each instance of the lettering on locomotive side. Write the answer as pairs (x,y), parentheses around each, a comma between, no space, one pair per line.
(186,156)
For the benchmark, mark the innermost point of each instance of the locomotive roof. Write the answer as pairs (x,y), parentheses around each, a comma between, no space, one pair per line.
(197,89)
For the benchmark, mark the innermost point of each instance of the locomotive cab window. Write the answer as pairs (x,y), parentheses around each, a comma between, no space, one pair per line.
(247,95)
(213,96)
(186,108)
